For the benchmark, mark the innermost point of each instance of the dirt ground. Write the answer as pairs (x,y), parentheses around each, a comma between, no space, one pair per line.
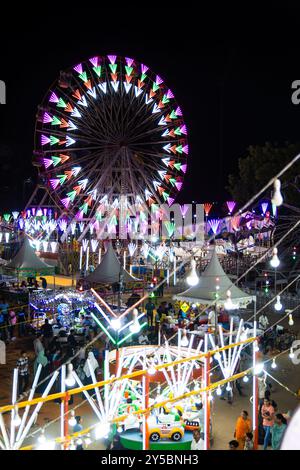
(224,415)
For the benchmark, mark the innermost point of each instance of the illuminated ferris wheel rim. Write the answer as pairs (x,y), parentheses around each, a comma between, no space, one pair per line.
(70,140)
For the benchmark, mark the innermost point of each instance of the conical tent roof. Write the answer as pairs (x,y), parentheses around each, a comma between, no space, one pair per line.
(205,291)
(26,259)
(108,271)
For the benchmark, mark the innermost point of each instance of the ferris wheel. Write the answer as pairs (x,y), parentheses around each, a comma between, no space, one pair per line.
(110,127)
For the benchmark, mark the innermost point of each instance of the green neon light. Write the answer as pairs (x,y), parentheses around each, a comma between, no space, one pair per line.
(6,217)
(155,87)
(130,334)
(143,76)
(55,121)
(172,181)
(84,207)
(128,69)
(165,99)
(62,178)
(83,76)
(53,140)
(103,328)
(56,160)
(177,131)
(179,149)
(61,103)
(97,70)
(165,195)
(113,67)
(72,195)
(177,166)
(173,115)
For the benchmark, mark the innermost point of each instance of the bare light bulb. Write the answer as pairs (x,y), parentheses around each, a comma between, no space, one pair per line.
(274,365)
(193,278)
(277,198)
(151,369)
(219,391)
(17,420)
(246,379)
(258,368)
(292,354)
(88,440)
(135,326)
(72,420)
(291,321)
(278,304)
(70,381)
(228,387)
(184,340)
(116,323)
(275,262)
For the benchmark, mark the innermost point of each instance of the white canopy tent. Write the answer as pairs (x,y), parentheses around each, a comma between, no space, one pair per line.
(205,291)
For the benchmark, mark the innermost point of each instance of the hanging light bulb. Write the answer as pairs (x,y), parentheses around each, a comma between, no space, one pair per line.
(292,354)
(217,356)
(135,326)
(258,368)
(244,335)
(219,391)
(70,381)
(210,397)
(102,430)
(291,321)
(274,365)
(246,379)
(192,278)
(277,198)
(88,440)
(116,323)
(184,340)
(79,442)
(45,444)
(256,347)
(228,387)
(278,304)
(119,429)
(275,262)
(151,369)
(16,420)
(72,420)
(196,386)
(72,445)
(42,438)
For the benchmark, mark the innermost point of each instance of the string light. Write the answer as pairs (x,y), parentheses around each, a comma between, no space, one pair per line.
(135,326)
(70,381)
(278,304)
(119,429)
(16,420)
(116,323)
(277,198)
(151,369)
(246,379)
(72,445)
(72,420)
(102,430)
(258,368)
(88,439)
(274,365)
(219,391)
(228,387)
(256,347)
(192,278)
(292,354)
(291,321)
(275,262)
(184,340)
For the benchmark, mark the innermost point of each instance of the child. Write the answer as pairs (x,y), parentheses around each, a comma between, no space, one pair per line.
(249,441)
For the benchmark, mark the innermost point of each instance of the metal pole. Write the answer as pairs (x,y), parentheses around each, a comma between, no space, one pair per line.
(66,422)
(207,402)
(146,436)
(255,394)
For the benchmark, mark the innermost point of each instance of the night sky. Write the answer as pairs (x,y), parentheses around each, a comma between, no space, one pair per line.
(231,73)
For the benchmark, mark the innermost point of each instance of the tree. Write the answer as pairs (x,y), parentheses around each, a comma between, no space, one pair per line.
(262,163)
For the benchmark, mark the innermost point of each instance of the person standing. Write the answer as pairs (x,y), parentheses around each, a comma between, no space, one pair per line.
(23,368)
(12,318)
(149,310)
(38,345)
(197,441)
(21,322)
(47,333)
(267,413)
(2,352)
(242,427)
(277,431)
(78,426)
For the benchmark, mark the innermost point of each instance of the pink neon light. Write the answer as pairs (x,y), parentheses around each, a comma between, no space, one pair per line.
(54,183)
(144,68)
(94,61)
(230,206)
(214,225)
(170,94)
(178,111)
(129,62)
(185,149)
(183,209)
(53,98)
(183,129)
(65,202)
(170,201)
(112,58)
(183,168)
(47,118)
(158,80)
(178,185)
(78,68)
(47,162)
(44,139)
(264,207)
(79,215)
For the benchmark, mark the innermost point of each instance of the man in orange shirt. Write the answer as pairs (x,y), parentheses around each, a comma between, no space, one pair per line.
(242,426)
